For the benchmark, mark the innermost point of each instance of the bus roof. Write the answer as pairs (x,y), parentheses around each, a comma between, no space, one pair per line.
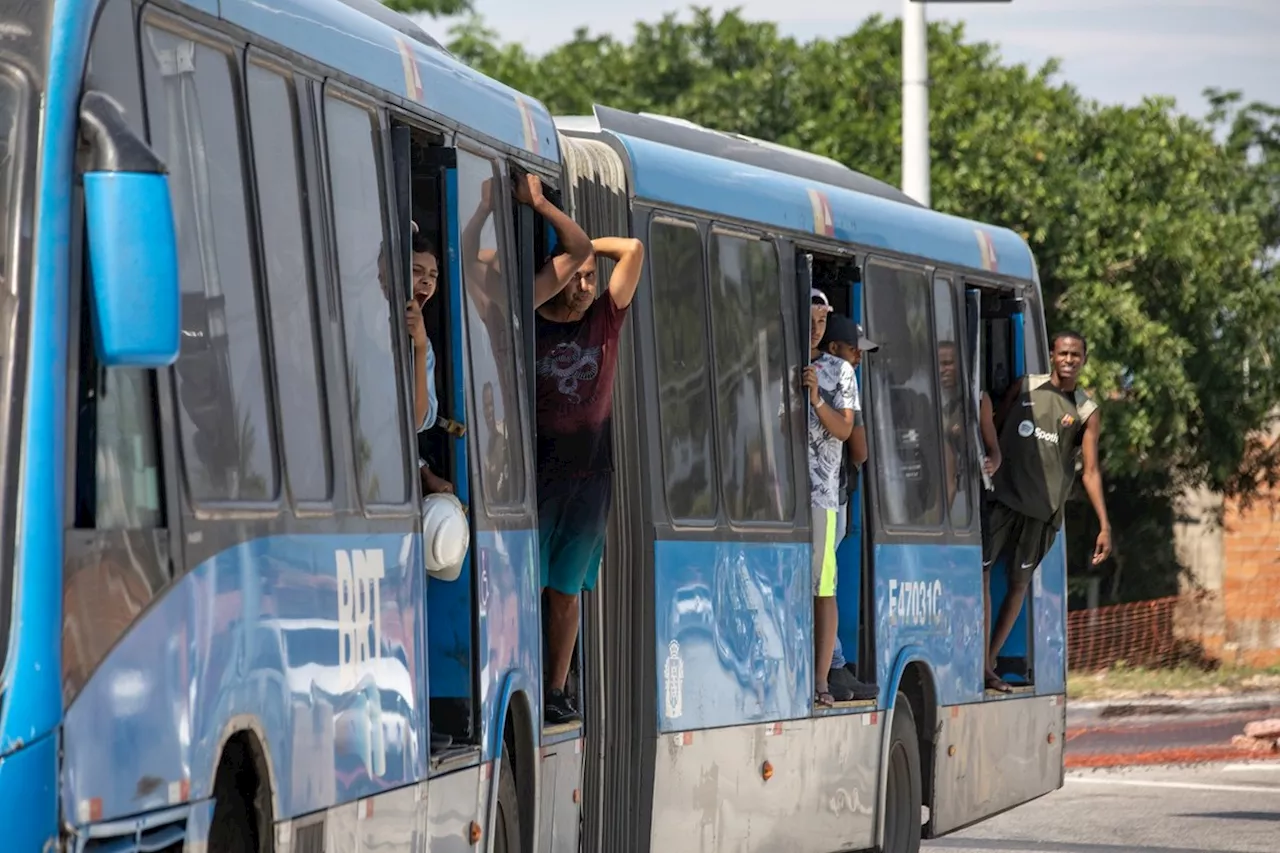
(676,163)
(367,41)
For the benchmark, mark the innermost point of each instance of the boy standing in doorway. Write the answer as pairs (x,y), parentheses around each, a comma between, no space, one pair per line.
(1043,419)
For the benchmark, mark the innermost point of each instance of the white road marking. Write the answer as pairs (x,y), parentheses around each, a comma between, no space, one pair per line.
(1251,766)
(1187,786)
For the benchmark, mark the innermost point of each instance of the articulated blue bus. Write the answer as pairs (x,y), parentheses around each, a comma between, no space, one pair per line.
(227,620)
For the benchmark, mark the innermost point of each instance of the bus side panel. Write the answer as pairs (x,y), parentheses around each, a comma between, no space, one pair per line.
(711,793)
(1049,598)
(451,807)
(309,639)
(733,632)
(931,596)
(27,790)
(1006,753)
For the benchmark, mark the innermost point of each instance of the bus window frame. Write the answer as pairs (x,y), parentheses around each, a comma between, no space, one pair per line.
(714,520)
(800,496)
(883,532)
(519,514)
(959,322)
(314,237)
(386,180)
(234,50)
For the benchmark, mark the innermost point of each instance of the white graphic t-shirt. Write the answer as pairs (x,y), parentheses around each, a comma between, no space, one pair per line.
(838,388)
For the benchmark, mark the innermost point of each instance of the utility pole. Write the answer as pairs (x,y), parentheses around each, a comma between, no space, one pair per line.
(915,102)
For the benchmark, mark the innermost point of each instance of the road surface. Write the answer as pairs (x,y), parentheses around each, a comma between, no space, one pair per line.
(1207,808)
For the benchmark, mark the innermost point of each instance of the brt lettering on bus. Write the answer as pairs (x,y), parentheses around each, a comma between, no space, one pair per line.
(360,575)
(915,603)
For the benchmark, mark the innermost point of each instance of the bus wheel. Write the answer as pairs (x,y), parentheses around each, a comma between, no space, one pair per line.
(506,826)
(902,802)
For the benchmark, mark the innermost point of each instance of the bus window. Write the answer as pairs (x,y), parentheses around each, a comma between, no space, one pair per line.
(750,358)
(273,119)
(492,334)
(953,381)
(228,437)
(684,382)
(368,290)
(907,455)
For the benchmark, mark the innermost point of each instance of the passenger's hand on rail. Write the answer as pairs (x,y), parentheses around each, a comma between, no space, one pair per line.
(417,328)
(810,380)
(528,190)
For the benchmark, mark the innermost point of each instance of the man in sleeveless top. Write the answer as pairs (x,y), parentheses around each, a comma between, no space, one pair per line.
(576,355)
(1043,420)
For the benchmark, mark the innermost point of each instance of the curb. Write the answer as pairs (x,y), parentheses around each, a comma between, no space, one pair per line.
(1193,755)
(1161,706)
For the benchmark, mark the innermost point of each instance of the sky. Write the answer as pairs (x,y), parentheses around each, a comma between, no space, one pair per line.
(1117,51)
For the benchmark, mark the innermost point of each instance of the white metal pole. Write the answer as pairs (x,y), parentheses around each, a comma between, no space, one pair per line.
(915,102)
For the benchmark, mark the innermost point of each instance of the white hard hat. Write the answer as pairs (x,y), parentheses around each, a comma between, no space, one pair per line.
(446,535)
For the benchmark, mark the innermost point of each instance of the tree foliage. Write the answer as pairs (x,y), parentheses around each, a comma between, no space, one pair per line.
(434,8)
(1155,233)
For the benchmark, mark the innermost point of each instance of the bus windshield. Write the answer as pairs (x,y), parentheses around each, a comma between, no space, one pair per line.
(11,107)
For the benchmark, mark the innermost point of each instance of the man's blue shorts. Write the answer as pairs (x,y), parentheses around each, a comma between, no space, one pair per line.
(573,516)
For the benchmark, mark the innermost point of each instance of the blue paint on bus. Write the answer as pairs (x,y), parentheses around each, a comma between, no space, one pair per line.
(733,633)
(670,176)
(341,37)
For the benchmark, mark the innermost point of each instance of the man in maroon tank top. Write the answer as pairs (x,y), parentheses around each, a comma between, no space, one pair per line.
(577,352)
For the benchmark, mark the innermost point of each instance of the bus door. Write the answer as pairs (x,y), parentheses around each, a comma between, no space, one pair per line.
(1002,334)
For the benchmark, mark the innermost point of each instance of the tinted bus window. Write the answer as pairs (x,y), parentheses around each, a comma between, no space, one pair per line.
(228,438)
(367,294)
(903,405)
(684,382)
(286,255)
(750,358)
(492,334)
(953,380)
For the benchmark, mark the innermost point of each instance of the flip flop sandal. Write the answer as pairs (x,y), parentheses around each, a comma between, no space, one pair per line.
(824,698)
(994,682)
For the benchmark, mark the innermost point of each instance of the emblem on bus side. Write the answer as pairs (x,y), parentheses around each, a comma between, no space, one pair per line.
(359,575)
(823,222)
(673,675)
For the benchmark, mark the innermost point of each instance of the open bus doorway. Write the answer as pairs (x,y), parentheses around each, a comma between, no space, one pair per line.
(1008,347)
(839,278)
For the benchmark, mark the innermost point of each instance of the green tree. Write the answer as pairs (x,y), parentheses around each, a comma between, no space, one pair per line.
(434,8)
(1155,233)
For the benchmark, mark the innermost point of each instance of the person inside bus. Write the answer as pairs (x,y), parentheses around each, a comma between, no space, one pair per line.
(1055,419)
(845,340)
(576,354)
(833,402)
(954,389)
(426,279)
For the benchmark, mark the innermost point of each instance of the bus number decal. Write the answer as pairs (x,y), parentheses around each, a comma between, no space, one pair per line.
(915,603)
(359,575)
(987,248)
(412,78)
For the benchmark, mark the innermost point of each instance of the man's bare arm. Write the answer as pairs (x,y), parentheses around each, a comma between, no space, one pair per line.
(628,253)
(1091,477)
(990,439)
(858,444)
(839,422)
(557,272)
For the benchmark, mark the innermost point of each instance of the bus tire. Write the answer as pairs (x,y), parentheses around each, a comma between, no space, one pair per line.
(903,799)
(506,824)
(233,829)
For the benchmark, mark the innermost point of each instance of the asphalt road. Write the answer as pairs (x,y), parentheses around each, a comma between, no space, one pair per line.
(1207,808)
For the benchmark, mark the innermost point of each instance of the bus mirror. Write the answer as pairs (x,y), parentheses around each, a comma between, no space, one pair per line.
(132,246)
(446,536)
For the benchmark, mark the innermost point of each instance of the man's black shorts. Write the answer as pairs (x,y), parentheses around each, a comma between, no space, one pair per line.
(1020,538)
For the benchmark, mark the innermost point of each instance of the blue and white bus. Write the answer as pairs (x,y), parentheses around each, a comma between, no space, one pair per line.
(217,626)
(701,630)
